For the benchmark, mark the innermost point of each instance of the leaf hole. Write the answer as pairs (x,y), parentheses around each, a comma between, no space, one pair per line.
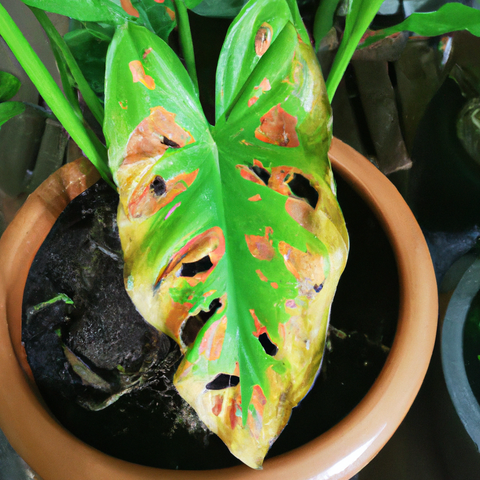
(222,381)
(261,173)
(191,269)
(158,186)
(194,324)
(170,143)
(301,187)
(269,347)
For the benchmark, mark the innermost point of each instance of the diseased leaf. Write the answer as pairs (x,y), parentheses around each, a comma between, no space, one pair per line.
(9,86)
(232,236)
(9,110)
(450,17)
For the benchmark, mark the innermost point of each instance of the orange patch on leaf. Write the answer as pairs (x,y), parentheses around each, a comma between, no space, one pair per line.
(305,266)
(129,8)
(139,75)
(255,198)
(277,127)
(274,285)
(261,247)
(212,341)
(301,212)
(146,52)
(263,87)
(259,327)
(262,277)
(123,106)
(217,405)
(144,202)
(211,243)
(148,138)
(255,418)
(170,13)
(247,174)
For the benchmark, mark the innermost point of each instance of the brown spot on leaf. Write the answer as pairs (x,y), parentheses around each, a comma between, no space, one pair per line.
(305,266)
(170,13)
(146,199)
(263,38)
(261,276)
(261,247)
(139,75)
(277,127)
(210,243)
(154,134)
(301,212)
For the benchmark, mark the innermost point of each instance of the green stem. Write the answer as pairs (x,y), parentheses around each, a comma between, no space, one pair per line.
(88,94)
(359,17)
(52,94)
(186,42)
(340,64)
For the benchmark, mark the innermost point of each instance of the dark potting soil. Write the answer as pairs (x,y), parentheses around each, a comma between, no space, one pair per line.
(107,375)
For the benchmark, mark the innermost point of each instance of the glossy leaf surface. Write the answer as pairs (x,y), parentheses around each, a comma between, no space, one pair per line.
(9,86)
(232,236)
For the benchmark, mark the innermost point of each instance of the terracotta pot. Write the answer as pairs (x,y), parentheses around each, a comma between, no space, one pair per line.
(342,451)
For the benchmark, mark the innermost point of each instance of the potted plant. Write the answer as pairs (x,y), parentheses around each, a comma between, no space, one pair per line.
(381,200)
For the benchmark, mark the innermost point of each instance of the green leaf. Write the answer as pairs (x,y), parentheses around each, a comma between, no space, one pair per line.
(324,19)
(159,17)
(89,48)
(232,236)
(359,17)
(9,110)
(9,86)
(450,17)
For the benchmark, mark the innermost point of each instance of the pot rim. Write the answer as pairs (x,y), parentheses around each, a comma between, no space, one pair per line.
(339,453)
(452,344)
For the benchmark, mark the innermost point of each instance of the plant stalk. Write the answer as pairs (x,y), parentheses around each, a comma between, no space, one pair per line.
(186,42)
(88,94)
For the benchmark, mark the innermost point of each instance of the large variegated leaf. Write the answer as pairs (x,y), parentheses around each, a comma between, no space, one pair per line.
(232,236)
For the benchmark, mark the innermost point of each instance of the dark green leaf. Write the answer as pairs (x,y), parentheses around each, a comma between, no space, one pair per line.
(9,110)
(450,17)
(158,17)
(90,52)
(9,86)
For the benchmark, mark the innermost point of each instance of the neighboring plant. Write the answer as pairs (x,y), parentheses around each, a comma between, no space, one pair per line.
(9,86)
(232,236)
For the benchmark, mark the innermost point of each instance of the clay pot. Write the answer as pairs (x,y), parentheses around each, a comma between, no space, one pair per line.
(339,453)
